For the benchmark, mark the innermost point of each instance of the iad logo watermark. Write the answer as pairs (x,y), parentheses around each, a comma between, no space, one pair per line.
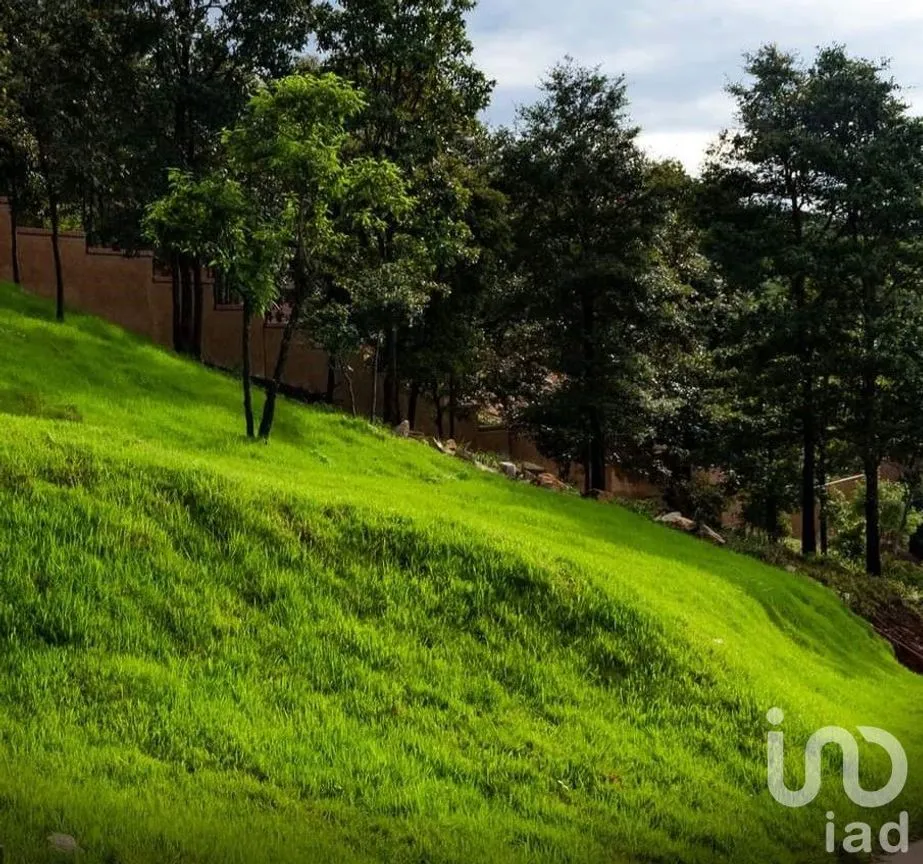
(858,834)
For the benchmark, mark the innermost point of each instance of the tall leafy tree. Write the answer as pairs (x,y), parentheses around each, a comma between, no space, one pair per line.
(814,221)
(292,142)
(869,152)
(16,150)
(586,218)
(222,221)
(62,60)
(199,60)
(770,238)
(445,349)
(413,60)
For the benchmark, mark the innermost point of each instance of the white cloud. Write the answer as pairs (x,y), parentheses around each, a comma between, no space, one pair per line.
(520,60)
(842,17)
(688,147)
(708,110)
(679,54)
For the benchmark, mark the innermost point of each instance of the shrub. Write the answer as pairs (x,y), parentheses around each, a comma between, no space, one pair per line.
(847,520)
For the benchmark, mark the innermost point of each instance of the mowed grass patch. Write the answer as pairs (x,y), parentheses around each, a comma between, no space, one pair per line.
(344,646)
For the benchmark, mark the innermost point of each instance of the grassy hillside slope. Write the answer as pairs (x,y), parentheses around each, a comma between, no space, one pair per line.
(346,647)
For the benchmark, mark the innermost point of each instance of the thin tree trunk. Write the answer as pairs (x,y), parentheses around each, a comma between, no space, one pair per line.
(453,406)
(375,362)
(598,479)
(588,468)
(437,402)
(272,391)
(177,304)
(331,380)
(872,517)
(14,232)
(198,308)
(809,470)
(56,248)
(824,494)
(772,520)
(412,401)
(348,377)
(246,375)
(391,409)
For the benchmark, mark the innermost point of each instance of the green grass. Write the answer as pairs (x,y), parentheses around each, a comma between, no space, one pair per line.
(347,647)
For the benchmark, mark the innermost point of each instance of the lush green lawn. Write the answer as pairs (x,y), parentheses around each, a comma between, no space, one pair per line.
(343,646)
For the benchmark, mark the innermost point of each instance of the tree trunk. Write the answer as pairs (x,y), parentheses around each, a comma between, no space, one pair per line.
(246,375)
(56,251)
(412,402)
(330,395)
(177,304)
(824,494)
(809,470)
(597,455)
(391,409)
(348,377)
(772,520)
(187,317)
(872,518)
(375,364)
(198,308)
(14,232)
(596,479)
(588,468)
(453,406)
(272,391)
(439,415)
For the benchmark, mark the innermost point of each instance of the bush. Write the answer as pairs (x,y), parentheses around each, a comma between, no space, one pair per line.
(699,498)
(847,520)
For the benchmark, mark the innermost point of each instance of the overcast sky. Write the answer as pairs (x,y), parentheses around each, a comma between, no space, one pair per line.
(678,55)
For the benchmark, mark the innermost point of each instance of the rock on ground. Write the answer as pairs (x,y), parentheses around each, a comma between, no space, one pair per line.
(549,481)
(63,843)
(677,520)
(712,535)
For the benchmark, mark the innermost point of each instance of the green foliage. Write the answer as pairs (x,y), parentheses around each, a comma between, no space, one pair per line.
(423,98)
(292,204)
(215,220)
(813,206)
(586,227)
(898,522)
(411,115)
